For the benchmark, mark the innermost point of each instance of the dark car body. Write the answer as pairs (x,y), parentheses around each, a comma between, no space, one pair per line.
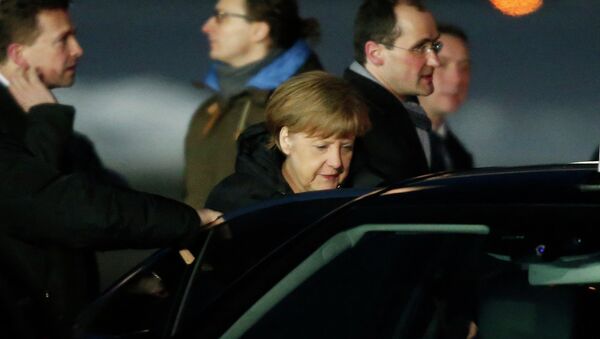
(512,251)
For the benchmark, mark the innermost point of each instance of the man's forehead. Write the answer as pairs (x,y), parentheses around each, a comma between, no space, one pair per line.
(230,5)
(453,39)
(415,23)
(454,47)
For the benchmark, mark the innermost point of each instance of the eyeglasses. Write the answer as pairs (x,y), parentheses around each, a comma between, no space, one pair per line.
(220,16)
(432,46)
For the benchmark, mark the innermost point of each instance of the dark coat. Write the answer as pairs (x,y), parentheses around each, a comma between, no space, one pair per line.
(460,158)
(210,143)
(50,220)
(45,130)
(391,150)
(257,174)
(50,137)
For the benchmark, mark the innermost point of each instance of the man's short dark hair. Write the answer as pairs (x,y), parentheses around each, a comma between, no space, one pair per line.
(454,31)
(376,21)
(283,19)
(18,20)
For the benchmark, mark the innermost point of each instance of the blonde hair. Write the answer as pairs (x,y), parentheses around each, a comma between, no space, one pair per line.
(318,104)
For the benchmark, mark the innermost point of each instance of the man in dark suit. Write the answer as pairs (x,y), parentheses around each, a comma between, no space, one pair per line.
(57,203)
(451,82)
(395,46)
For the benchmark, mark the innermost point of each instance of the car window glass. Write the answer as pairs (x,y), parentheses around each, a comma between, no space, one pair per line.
(382,284)
(239,244)
(371,279)
(141,303)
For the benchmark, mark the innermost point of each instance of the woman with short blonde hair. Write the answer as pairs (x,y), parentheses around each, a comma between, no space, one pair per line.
(305,144)
(318,104)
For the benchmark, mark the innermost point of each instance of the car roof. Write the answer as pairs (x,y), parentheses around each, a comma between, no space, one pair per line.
(527,184)
(522,206)
(492,184)
(530,202)
(500,187)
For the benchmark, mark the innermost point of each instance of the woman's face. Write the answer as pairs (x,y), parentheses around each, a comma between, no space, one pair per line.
(314,163)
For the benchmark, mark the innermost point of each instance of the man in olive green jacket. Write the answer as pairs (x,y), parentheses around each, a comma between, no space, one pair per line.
(254,50)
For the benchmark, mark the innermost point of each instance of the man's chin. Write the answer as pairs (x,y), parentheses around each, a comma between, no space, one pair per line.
(215,56)
(61,84)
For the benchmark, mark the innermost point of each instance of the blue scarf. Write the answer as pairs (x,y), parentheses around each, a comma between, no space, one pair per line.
(274,74)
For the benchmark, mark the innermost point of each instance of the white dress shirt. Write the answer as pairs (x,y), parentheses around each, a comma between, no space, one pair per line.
(4,81)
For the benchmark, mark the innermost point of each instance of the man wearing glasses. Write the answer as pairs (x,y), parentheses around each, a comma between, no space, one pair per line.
(255,45)
(395,46)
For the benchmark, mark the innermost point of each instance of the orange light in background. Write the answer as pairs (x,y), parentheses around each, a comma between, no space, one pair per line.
(517,7)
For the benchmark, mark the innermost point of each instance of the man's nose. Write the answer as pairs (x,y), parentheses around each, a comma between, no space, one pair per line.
(208,24)
(76,50)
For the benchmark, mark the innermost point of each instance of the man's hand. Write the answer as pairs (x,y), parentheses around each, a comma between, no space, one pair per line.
(207,216)
(28,90)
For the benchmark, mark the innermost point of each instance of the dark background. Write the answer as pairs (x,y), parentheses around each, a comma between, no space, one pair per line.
(534,92)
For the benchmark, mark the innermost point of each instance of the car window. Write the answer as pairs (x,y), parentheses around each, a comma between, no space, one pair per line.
(239,244)
(372,281)
(141,303)
(423,281)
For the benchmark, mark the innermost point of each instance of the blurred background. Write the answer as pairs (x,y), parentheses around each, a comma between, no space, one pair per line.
(534,90)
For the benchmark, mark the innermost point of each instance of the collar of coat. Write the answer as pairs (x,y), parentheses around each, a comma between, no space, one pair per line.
(274,74)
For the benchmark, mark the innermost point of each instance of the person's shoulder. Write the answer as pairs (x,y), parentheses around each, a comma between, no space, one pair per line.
(372,92)
(351,75)
(235,191)
(257,156)
(461,156)
(256,134)
(207,98)
(455,141)
(312,63)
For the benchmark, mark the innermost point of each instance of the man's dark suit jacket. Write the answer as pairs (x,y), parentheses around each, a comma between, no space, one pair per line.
(70,274)
(459,156)
(391,150)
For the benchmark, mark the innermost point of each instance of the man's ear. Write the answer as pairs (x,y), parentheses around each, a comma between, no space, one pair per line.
(260,31)
(15,54)
(284,140)
(374,53)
